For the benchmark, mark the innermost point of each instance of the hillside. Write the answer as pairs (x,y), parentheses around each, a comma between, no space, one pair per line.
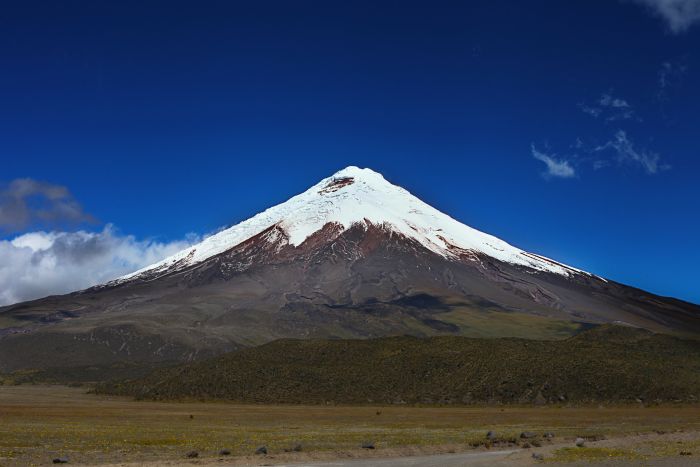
(607,363)
(352,257)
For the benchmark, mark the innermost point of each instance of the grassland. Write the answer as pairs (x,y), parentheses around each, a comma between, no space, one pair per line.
(42,422)
(8,321)
(494,324)
(609,364)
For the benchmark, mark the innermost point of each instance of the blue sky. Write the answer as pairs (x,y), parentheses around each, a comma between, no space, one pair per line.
(566,128)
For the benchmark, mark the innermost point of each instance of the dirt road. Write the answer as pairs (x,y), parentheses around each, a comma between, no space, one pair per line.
(476,459)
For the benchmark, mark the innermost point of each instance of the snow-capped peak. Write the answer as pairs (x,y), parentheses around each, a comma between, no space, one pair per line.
(354,195)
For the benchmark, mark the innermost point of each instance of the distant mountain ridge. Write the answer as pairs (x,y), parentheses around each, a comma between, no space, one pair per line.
(354,256)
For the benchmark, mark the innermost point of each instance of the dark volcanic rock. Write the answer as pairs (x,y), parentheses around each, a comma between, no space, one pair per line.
(261,450)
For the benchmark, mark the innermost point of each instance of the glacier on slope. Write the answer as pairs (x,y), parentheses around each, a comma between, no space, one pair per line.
(357,196)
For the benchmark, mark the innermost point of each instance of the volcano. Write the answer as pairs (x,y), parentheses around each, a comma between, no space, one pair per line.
(354,256)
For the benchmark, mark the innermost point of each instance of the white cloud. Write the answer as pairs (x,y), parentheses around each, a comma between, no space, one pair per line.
(610,107)
(591,110)
(600,164)
(627,152)
(679,15)
(670,75)
(555,167)
(38,264)
(607,100)
(664,74)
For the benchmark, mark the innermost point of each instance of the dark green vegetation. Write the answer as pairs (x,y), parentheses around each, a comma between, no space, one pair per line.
(608,363)
(78,375)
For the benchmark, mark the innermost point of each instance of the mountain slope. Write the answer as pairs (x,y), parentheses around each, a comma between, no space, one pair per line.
(353,256)
(352,197)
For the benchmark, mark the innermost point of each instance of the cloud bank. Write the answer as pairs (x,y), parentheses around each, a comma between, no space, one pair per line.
(559,168)
(679,15)
(25,202)
(41,263)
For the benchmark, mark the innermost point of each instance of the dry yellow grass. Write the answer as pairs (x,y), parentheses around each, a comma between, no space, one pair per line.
(38,423)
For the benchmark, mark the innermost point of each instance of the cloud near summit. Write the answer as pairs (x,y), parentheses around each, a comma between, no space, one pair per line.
(37,264)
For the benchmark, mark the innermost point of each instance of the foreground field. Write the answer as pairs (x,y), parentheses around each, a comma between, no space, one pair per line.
(40,423)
